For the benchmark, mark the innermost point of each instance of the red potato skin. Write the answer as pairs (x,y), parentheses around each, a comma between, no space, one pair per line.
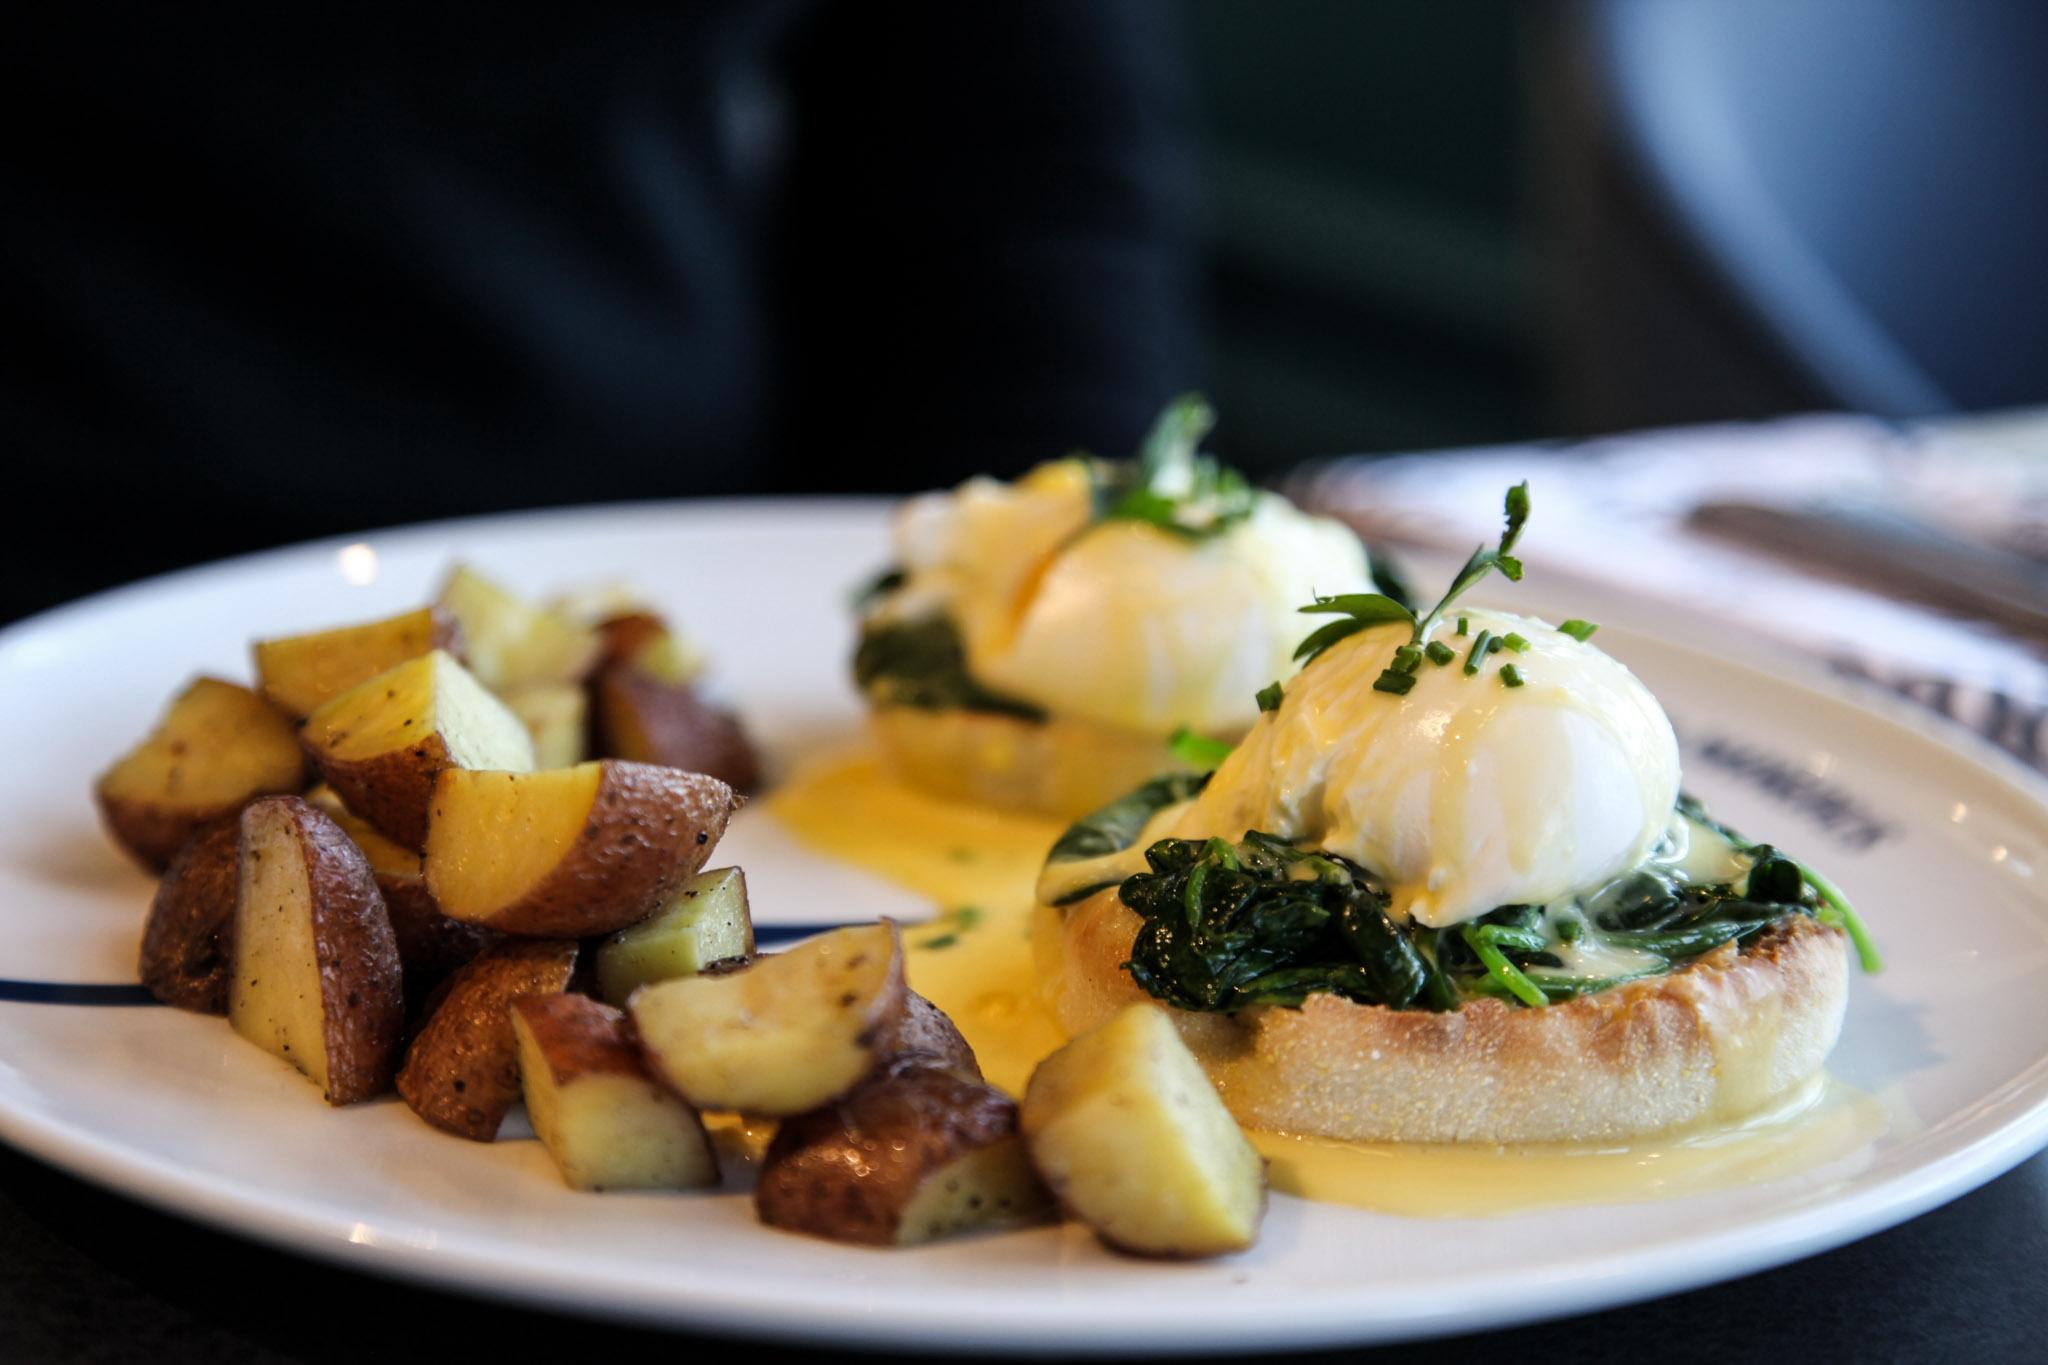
(152,835)
(391,790)
(580,1036)
(928,1037)
(847,1170)
(461,1073)
(361,983)
(429,943)
(624,636)
(650,721)
(650,829)
(187,955)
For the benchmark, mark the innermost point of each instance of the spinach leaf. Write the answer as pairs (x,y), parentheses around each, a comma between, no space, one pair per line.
(1228,926)
(924,664)
(1260,922)
(1117,825)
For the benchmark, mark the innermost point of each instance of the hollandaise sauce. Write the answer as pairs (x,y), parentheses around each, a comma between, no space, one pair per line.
(974,959)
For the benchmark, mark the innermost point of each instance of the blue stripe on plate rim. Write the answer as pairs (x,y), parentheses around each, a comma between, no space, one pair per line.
(121,993)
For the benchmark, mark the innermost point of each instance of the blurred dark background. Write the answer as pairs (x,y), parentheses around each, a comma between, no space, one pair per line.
(276,274)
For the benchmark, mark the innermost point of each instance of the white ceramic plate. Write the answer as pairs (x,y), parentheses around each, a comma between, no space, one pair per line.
(1944,847)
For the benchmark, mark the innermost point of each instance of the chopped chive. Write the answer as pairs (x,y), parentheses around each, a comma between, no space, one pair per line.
(1462,623)
(1407,659)
(1515,642)
(1478,654)
(1397,683)
(1511,675)
(1581,631)
(1439,653)
(1269,696)
(1198,751)
(1493,646)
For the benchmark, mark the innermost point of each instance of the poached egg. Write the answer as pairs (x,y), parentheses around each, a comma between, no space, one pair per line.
(1465,794)
(1118,622)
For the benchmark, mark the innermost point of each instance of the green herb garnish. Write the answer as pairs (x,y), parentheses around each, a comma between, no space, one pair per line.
(1198,751)
(1269,697)
(1439,653)
(1478,653)
(1515,642)
(1581,631)
(1510,676)
(1171,485)
(1361,610)
(1394,681)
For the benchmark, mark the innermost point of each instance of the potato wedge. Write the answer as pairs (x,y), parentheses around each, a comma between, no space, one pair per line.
(914,1154)
(649,721)
(316,976)
(603,1118)
(461,1073)
(571,852)
(216,746)
(429,943)
(511,642)
(188,939)
(645,641)
(381,743)
(301,673)
(557,717)
(705,921)
(928,1037)
(794,1031)
(1127,1131)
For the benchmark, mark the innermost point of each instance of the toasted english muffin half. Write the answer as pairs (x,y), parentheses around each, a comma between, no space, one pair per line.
(1718,1037)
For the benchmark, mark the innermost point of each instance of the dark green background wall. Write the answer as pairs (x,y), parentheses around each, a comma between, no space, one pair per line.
(1370,280)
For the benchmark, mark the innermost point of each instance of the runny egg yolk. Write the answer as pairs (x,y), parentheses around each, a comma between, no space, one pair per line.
(1465,794)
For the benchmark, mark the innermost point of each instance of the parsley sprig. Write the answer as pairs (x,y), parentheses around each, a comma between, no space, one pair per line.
(1171,485)
(1360,610)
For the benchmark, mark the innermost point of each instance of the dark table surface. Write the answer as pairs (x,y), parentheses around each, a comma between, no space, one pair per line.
(89,1276)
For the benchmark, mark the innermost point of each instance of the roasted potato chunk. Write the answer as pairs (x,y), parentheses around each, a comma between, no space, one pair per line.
(381,743)
(705,921)
(645,641)
(188,939)
(794,1031)
(510,642)
(316,976)
(461,1073)
(595,1107)
(217,746)
(914,1154)
(1131,1137)
(301,673)
(647,720)
(573,851)
(557,716)
(429,943)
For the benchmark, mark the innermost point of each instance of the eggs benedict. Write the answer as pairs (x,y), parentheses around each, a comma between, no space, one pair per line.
(1038,643)
(1448,889)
